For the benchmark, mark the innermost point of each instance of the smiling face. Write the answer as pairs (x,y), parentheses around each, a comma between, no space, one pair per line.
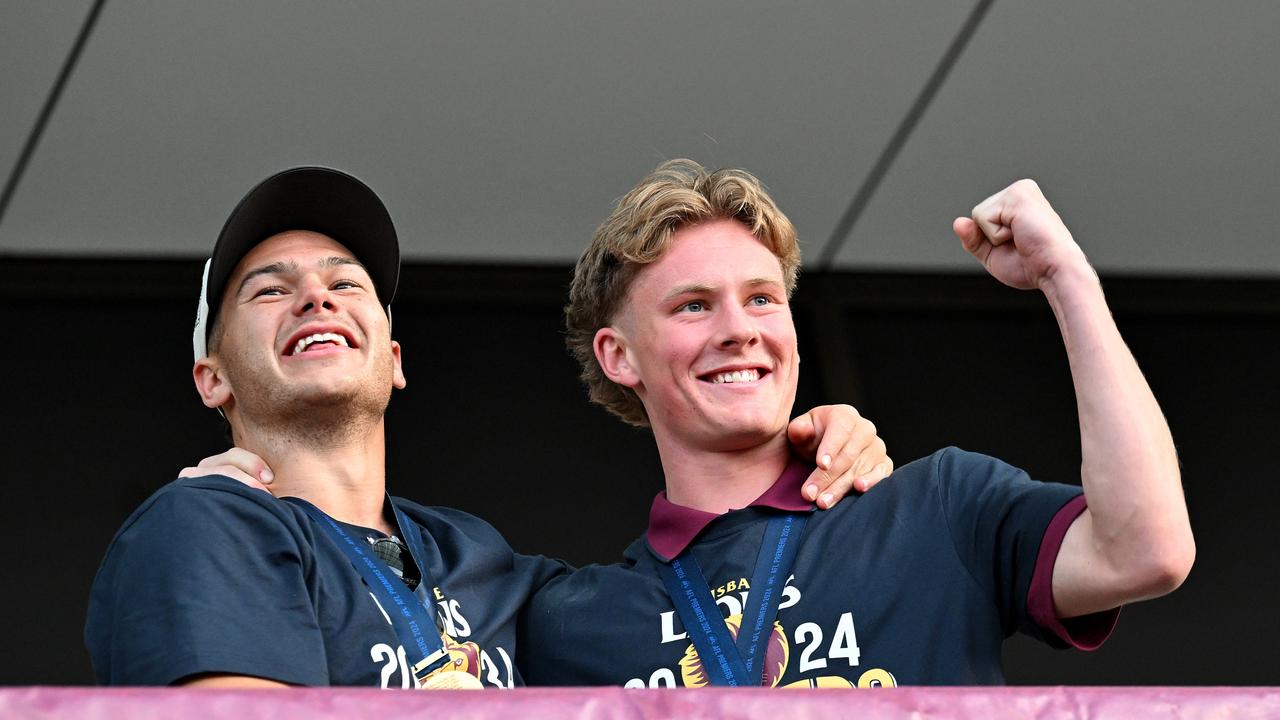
(301,330)
(706,340)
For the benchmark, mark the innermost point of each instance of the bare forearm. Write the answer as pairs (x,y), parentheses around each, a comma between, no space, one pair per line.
(1135,541)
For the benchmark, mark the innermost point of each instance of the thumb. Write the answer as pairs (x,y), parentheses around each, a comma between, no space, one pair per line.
(971,238)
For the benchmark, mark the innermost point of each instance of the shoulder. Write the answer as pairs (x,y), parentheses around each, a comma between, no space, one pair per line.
(954,468)
(953,461)
(589,591)
(959,474)
(919,480)
(195,579)
(590,582)
(438,519)
(216,494)
(926,490)
(209,491)
(459,536)
(205,511)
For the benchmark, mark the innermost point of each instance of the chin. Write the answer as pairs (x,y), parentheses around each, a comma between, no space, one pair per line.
(743,436)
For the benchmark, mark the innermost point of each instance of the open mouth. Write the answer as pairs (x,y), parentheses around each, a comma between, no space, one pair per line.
(729,377)
(317,341)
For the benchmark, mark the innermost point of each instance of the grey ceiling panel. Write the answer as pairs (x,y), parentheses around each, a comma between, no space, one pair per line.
(495,130)
(1154,128)
(35,38)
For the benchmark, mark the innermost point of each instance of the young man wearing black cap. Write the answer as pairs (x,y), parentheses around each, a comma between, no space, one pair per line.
(211,582)
(679,313)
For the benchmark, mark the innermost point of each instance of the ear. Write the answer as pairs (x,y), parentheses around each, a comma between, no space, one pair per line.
(213,386)
(611,350)
(397,370)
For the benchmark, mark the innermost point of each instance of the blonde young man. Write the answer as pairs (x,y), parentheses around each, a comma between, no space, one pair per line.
(214,583)
(679,316)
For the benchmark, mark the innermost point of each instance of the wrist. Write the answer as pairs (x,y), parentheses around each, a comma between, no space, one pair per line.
(1070,277)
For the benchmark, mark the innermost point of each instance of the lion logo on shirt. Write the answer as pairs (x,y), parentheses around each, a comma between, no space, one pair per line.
(776,654)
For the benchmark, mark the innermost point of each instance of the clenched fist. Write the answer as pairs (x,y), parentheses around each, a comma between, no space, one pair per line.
(1018,237)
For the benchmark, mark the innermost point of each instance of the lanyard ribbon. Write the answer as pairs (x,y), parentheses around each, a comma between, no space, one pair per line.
(728,662)
(414,625)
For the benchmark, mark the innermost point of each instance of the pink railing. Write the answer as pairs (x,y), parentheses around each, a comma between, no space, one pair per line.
(562,704)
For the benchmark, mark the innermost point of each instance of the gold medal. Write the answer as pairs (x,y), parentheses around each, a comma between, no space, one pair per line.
(450,680)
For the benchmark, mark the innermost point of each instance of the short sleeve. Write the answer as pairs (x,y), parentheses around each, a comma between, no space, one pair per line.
(997,517)
(205,577)
(1086,632)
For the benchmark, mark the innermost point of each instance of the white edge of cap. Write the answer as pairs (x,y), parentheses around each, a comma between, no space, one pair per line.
(199,336)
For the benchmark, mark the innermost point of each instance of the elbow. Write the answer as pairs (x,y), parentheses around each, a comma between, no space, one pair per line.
(1168,565)
(1185,558)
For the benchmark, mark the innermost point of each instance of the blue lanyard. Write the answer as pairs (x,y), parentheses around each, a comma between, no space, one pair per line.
(414,626)
(728,662)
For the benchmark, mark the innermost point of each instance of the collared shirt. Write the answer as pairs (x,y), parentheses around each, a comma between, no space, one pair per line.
(916,582)
(672,527)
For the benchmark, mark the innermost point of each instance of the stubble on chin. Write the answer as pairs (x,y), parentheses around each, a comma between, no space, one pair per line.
(312,413)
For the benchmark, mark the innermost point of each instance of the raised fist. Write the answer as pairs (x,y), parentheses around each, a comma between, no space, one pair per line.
(1018,237)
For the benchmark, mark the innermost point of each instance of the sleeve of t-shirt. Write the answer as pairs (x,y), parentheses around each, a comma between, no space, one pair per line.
(540,570)
(205,578)
(1000,520)
(1086,632)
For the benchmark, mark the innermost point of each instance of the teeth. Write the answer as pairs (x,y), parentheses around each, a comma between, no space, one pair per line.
(307,341)
(737,376)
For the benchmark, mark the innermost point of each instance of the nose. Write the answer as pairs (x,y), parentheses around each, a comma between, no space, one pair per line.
(314,297)
(737,328)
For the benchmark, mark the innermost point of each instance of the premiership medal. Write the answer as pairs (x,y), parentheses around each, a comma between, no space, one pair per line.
(447,675)
(450,680)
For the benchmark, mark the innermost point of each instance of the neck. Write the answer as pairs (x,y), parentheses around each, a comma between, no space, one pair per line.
(344,475)
(718,481)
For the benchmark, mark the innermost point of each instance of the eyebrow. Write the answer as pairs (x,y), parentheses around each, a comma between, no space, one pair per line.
(289,266)
(694,288)
(687,290)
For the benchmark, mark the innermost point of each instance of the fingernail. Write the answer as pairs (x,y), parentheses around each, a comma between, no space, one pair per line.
(810,491)
(827,499)
(266,476)
(826,462)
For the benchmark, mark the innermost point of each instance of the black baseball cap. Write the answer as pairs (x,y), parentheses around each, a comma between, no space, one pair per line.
(319,199)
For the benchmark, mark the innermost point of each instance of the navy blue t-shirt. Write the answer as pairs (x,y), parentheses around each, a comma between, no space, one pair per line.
(916,582)
(211,576)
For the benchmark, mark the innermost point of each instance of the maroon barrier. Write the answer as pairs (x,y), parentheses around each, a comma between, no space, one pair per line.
(567,703)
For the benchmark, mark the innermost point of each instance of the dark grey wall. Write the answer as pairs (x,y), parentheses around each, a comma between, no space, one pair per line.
(100,412)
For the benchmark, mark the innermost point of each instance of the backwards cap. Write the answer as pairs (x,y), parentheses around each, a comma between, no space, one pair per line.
(318,199)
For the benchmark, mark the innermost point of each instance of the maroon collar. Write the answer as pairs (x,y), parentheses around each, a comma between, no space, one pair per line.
(673,527)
